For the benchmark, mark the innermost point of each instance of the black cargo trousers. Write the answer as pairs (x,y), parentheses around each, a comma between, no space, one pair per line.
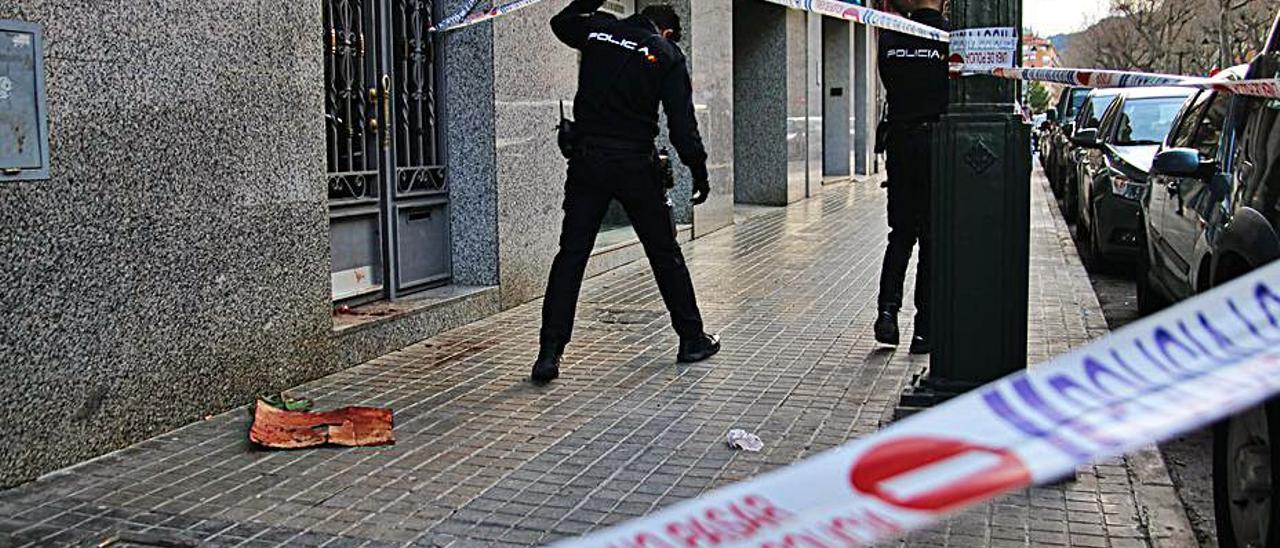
(909,163)
(598,174)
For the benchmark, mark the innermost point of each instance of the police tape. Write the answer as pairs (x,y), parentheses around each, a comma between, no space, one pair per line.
(833,8)
(1092,78)
(458,17)
(465,18)
(1190,366)
(867,16)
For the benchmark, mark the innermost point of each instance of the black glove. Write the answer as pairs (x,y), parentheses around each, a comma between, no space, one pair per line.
(701,191)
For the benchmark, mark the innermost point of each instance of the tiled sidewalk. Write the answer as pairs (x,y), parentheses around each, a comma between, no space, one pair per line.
(484,458)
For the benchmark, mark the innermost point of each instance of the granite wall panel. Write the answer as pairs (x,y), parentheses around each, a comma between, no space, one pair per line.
(469,142)
(176,263)
(177,260)
(770,77)
(759,102)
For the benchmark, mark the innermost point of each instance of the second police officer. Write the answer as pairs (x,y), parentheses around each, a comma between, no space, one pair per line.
(628,68)
(915,75)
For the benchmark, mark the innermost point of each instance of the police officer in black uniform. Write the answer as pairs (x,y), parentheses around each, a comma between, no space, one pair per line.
(915,75)
(628,67)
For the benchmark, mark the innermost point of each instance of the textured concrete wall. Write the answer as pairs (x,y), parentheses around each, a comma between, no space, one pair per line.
(712,45)
(866,98)
(797,71)
(532,73)
(177,261)
(813,104)
(708,43)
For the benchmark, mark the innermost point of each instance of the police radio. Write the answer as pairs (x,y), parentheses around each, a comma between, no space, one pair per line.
(566,137)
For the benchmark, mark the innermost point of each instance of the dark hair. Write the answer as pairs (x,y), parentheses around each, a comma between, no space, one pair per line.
(664,16)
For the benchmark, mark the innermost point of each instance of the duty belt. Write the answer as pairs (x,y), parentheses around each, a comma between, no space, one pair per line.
(614,143)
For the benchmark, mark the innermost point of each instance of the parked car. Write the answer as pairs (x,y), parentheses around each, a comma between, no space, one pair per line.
(1180,205)
(1069,102)
(1112,172)
(1213,214)
(1088,116)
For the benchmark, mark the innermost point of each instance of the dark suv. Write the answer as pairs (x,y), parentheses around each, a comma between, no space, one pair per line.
(1214,214)
(1112,172)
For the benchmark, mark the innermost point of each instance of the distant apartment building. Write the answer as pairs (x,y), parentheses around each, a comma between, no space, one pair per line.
(1038,52)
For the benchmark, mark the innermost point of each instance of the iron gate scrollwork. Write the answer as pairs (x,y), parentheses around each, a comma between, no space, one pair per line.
(388,199)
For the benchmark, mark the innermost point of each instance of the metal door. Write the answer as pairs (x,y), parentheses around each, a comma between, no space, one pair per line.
(388,201)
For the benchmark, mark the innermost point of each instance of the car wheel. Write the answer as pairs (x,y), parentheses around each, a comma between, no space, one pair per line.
(1244,467)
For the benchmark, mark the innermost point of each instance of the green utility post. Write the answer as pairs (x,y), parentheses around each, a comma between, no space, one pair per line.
(981,219)
(981,227)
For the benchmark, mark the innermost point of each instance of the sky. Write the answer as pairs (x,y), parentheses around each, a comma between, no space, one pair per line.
(1050,17)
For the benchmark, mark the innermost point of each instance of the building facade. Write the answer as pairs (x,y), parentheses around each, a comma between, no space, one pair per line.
(244,196)
(1039,52)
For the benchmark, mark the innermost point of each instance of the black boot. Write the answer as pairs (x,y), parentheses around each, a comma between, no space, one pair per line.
(920,344)
(887,328)
(698,349)
(547,368)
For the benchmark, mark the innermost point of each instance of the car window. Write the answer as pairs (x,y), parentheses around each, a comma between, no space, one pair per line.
(1257,159)
(1077,100)
(1209,132)
(1145,121)
(1092,113)
(1108,124)
(1190,120)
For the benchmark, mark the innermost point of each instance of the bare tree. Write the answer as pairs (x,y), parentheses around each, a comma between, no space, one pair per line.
(1180,36)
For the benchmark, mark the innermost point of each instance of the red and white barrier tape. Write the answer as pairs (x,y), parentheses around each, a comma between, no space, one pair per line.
(465,18)
(866,16)
(1190,366)
(1269,88)
(832,8)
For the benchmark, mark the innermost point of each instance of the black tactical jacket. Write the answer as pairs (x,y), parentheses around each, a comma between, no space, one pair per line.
(627,70)
(914,72)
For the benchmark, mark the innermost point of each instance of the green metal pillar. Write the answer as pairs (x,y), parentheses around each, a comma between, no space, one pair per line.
(981,220)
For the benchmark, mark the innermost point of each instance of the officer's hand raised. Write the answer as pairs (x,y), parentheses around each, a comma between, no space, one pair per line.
(701,190)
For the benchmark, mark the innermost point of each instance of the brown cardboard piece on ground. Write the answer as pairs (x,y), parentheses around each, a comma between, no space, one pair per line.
(348,426)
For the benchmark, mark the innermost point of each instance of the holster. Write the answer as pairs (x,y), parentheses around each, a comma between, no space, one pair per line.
(665,169)
(882,137)
(567,138)
(566,135)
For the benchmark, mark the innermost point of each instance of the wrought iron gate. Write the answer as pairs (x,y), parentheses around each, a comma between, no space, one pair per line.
(388,200)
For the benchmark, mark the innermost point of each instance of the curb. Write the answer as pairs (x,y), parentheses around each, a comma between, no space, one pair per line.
(1159,508)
